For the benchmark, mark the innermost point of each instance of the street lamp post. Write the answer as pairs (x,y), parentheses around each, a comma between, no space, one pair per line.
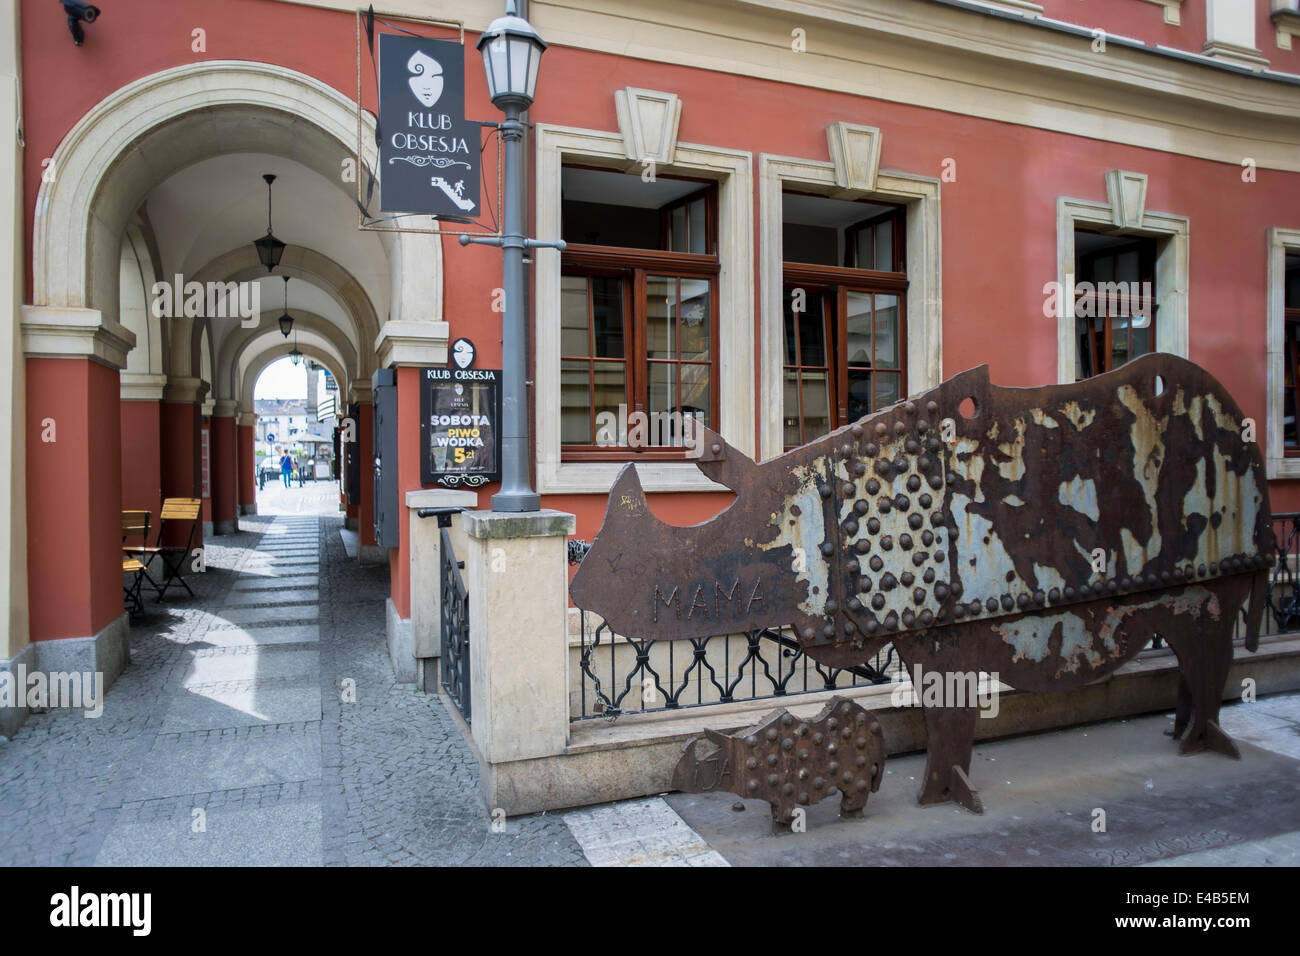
(512,52)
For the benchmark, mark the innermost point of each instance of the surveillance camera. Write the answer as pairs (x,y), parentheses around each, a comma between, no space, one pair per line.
(79,13)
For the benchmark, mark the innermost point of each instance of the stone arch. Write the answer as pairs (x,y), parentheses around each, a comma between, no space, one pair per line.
(330,277)
(278,350)
(110,160)
(233,349)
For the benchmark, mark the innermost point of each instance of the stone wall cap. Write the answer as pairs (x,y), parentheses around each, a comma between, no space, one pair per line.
(441,498)
(525,524)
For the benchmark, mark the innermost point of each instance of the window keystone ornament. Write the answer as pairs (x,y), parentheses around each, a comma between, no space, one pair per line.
(648,121)
(855,151)
(1127,194)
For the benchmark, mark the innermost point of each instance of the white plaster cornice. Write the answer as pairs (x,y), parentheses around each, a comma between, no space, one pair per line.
(246,419)
(412,342)
(224,408)
(142,387)
(185,389)
(54,332)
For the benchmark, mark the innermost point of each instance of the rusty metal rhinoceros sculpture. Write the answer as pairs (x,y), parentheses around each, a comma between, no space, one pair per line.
(1044,534)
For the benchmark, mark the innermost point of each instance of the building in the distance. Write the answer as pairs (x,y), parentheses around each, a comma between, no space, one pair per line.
(779,216)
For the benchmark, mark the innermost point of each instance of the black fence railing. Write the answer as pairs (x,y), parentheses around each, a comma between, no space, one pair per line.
(623,675)
(454,645)
(1284,582)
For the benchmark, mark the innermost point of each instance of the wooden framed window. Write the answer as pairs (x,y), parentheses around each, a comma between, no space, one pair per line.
(1291,359)
(1115,302)
(845,326)
(639,329)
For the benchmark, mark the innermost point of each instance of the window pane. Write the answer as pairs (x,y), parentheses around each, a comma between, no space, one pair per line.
(696,316)
(791,352)
(1119,353)
(859,396)
(575,404)
(696,396)
(885,246)
(660,317)
(677,229)
(1141,340)
(607,316)
(858,345)
(793,436)
(1103,269)
(812,332)
(887,389)
(863,256)
(573,316)
(662,388)
(699,228)
(611,392)
(816,405)
(886,326)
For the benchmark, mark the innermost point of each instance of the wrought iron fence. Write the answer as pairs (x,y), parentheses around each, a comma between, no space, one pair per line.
(622,675)
(454,662)
(1284,585)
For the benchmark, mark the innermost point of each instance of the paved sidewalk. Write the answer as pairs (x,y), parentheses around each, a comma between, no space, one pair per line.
(226,741)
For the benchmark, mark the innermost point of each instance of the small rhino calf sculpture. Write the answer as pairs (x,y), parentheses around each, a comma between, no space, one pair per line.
(791,762)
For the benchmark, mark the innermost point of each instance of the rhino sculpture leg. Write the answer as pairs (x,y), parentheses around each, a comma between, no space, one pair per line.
(949,731)
(1204,657)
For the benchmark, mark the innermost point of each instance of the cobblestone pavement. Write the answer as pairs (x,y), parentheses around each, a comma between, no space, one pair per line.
(227,741)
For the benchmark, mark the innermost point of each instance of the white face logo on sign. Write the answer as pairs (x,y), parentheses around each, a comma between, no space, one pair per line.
(426,83)
(462,353)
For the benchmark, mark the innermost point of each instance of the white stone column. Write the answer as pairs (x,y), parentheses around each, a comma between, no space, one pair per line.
(516,568)
(425,632)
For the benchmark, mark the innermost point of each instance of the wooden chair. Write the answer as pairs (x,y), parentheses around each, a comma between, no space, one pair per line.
(136,524)
(174,557)
(131,589)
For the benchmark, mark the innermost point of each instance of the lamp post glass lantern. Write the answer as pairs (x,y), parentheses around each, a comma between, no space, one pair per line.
(512,53)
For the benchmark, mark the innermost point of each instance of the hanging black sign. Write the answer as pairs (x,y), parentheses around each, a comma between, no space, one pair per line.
(428,152)
(460,441)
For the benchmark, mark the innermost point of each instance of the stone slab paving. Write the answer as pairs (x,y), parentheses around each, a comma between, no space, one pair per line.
(226,742)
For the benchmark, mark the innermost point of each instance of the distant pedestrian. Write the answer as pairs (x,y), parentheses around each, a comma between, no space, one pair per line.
(286,468)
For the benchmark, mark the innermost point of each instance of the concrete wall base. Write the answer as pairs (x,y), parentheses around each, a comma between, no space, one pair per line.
(351,524)
(635,757)
(248,509)
(370,555)
(225,527)
(11,718)
(401,645)
(429,675)
(207,529)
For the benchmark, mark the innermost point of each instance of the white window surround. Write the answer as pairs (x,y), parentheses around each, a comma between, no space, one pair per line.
(924,274)
(1172,331)
(733,171)
(1280,242)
